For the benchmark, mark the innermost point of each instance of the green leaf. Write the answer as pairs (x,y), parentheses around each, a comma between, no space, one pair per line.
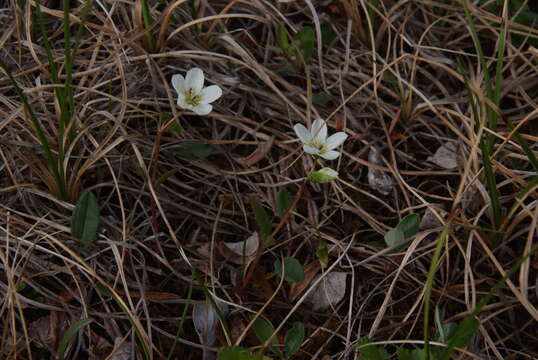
(404,354)
(264,331)
(294,338)
(410,225)
(193,150)
(263,221)
(283,202)
(371,352)
(449,329)
(70,334)
(322,253)
(306,39)
(327,34)
(394,236)
(461,337)
(293,270)
(321,98)
(175,127)
(101,289)
(444,331)
(238,353)
(282,40)
(419,354)
(85,218)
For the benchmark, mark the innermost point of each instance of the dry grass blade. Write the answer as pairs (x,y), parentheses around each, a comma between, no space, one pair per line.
(384,72)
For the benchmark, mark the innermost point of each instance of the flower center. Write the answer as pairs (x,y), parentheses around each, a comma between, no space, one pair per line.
(322,148)
(191,98)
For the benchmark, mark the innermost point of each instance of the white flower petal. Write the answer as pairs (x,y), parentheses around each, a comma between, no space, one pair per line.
(178,82)
(181,102)
(330,155)
(302,133)
(335,140)
(210,94)
(310,150)
(203,109)
(194,80)
(319,130)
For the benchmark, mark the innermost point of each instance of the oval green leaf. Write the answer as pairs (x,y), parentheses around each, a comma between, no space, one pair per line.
(294,338)
(394,236)
(264,330)
(410,225)
(263,221)
(193,150)
(85,218)
(283,202)
(293,269)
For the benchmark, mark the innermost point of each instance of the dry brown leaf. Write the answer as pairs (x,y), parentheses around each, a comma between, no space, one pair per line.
(205,321)
(377,179)
(123,350)
(310,271)
(48,330)
(446,156)
(257,155)
(339,122)
(394,121)
(233,251)
(329,291)
(237,328)
(99,347)
(245,248)
(430,220)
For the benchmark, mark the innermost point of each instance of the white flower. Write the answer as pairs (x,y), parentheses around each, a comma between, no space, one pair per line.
(323,176)
(192,95)
(316,141)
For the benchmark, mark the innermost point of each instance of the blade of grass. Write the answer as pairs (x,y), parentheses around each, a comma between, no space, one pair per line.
(70,334)
(429,284)
(183,317)
(486,154)
(488,141)
(524,145)
(209,297)
(463,327)
(58,91)
(146,17)
(52,160)
(69,59)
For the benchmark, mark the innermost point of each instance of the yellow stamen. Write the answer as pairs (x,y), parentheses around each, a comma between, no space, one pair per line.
(192,99)
(322,148)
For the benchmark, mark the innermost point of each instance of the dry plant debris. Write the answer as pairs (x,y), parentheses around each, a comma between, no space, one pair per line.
(93,100)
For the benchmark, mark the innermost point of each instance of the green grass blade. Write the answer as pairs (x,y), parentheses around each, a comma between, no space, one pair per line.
(70,58)
(429,284)
(52,160)
(226,328)
(524,145)
(488,140)
(70,334)
(491,182)
(462,336)
(146,17)
(59,91)
(183,317)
